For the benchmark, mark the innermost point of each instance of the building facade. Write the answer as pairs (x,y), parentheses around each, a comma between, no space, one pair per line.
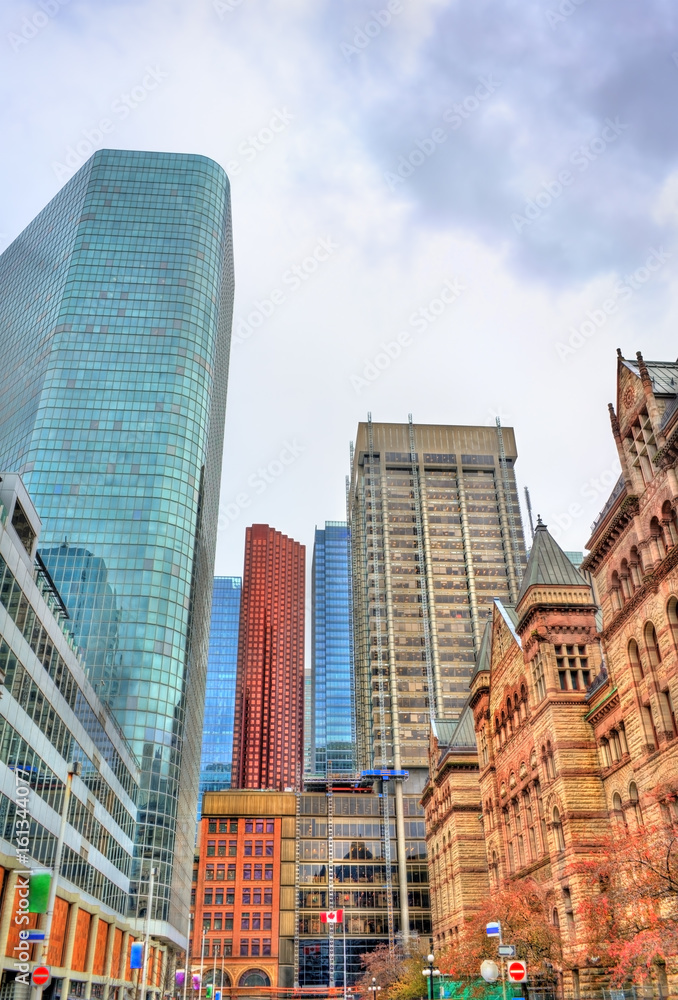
(573,702)
(222,661)
(51,719)
(243,886)
(436,535)
(268,730)
(116,311)
(332,695)
(348,859)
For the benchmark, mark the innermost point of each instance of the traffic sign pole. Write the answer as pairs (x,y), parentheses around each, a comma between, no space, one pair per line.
(503,967)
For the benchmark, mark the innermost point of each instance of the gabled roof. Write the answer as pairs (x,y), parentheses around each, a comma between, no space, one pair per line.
(664,375)
(443,730)
(508,613)
(465,733)
(452,733)
(548,565)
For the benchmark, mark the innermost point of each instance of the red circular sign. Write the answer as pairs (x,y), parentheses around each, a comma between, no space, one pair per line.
(41,975)
(517,971)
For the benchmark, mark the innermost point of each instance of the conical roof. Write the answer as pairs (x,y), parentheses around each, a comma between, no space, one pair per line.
(548,565)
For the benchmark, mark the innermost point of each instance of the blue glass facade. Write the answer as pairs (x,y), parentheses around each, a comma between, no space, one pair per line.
(222,663)
(115,314)
(333,726)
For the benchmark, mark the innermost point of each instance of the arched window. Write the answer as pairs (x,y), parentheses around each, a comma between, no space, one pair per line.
(635,802)
(555,918)
(635,567)
(616,591)
(672,615)
(651,645)
(509,839)
(254,977)
(635,660)
(558,830)
(618,809)
(495,868)
(625,579)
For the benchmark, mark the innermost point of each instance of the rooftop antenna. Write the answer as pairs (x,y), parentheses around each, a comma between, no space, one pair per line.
(529,510)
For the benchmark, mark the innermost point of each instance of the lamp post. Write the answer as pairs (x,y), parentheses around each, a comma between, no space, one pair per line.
(373,989)
(430,973)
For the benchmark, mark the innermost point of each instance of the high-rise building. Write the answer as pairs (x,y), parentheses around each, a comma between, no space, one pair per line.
(115,312)
(268,731)
(52,725)
(436,535)
(222,660)
(333,718)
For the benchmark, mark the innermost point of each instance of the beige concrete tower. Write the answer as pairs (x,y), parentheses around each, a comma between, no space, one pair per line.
(436,535)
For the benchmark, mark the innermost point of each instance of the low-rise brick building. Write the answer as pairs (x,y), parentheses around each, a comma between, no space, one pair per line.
(244,889)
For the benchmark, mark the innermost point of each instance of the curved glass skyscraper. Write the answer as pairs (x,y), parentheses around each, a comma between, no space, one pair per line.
(115,315)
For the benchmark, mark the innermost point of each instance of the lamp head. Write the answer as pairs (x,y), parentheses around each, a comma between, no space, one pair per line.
(430,959)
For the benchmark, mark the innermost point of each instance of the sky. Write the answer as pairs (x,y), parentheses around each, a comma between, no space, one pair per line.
(455,210)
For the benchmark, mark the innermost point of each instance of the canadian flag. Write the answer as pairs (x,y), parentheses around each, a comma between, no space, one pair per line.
(332,917)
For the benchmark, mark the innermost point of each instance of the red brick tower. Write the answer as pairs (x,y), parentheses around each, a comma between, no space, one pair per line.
(268,737)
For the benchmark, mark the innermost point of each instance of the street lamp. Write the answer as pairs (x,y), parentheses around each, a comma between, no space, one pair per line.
(374,989)
(430,973)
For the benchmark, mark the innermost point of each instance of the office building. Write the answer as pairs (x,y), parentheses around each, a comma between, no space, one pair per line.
(436,535)
(349,860)
(268,729)
(243,884)
(51,719)
(115,312)
(222,659)
(332,703)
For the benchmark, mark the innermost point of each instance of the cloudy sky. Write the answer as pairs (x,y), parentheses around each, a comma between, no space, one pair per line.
(519,155)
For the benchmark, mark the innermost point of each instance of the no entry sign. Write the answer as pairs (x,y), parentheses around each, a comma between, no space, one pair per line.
(41,975)
(517,971)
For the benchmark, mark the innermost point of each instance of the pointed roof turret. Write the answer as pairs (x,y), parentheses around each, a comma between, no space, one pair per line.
(485,652)
(548,565)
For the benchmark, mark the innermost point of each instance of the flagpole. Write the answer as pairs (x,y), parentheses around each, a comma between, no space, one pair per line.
(343,922)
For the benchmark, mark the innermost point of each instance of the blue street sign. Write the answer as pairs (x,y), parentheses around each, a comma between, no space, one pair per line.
(493,929)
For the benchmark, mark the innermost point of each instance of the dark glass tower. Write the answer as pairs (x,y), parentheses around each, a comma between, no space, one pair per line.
(115,315)
(222,663)
(333,734)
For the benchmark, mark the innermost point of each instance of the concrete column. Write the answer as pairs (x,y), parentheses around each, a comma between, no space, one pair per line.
(395,722)
(402,866)
(91,948)
(8,909)
(468,561)
(123,955)
(108,961)
(437,707)
(68,947)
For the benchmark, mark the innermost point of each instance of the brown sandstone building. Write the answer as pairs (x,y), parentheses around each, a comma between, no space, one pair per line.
(571,724)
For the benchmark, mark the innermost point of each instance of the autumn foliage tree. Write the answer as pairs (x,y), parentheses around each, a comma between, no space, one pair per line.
(523,911)
(631,917)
